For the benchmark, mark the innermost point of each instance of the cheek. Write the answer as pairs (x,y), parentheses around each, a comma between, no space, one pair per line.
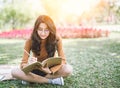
(48,34)
(38,32)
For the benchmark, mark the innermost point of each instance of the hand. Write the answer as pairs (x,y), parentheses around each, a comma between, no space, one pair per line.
(46,70)
(32,60)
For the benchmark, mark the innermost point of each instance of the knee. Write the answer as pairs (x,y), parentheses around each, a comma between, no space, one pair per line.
(68,70)
(14,72)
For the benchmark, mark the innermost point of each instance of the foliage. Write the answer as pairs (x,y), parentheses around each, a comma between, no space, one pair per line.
(104,12)
(13,16)
(96,62)
(20,13)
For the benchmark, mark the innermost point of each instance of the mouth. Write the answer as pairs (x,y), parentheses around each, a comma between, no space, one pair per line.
(43,37)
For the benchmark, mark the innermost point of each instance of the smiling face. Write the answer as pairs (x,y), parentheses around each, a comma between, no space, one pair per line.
(43,31)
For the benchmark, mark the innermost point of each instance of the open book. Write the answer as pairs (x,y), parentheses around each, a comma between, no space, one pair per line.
(49,62)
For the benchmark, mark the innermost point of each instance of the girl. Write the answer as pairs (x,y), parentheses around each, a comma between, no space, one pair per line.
(44,43)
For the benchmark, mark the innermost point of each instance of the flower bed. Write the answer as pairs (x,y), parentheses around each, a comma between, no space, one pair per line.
(25,33)
(78,32)
(65,32)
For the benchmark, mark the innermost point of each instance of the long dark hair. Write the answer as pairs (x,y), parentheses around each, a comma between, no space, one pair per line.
(51,39)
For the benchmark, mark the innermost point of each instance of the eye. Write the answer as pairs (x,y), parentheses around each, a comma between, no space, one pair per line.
(46,30)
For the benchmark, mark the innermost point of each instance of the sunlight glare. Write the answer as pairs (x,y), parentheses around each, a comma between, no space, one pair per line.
(78,6)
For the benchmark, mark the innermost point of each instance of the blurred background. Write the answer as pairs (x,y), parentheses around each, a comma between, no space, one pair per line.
(80,16)
(91,39)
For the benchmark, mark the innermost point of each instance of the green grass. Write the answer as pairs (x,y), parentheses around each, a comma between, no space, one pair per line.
(96,62)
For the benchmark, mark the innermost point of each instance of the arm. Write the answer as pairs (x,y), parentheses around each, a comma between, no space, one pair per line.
(60,49)
(60,54)
(25,57)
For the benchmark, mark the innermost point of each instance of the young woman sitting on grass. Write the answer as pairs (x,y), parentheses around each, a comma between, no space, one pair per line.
(44,43)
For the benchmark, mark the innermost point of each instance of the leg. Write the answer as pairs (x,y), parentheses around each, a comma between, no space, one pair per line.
(30,77)
(64,71)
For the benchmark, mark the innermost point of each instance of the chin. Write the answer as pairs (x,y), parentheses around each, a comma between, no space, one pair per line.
(43,38)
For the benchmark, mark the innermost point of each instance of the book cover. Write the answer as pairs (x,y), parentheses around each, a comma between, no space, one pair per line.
(49,62)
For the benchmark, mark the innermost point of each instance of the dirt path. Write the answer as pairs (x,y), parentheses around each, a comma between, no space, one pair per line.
(5,70)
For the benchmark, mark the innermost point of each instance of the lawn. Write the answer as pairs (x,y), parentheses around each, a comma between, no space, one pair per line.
(96,62)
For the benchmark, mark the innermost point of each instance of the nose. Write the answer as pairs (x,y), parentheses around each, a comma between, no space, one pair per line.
(43,32)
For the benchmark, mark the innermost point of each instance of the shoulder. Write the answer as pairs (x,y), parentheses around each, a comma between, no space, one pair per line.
(28,41)
(58,37)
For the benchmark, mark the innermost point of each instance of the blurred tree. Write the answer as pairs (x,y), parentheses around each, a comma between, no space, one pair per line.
(12,15)
(105,12)
(115,10)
